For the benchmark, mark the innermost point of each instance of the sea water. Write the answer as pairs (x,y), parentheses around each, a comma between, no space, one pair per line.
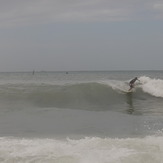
(81,117)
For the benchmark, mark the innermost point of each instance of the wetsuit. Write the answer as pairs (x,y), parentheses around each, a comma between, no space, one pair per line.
(131,83)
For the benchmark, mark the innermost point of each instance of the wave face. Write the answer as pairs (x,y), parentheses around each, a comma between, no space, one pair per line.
(62,96)
(99,95)
(87,150)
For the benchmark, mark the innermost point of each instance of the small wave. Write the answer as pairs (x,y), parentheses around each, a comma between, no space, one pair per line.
(89,149)
(83,95)
(98,95)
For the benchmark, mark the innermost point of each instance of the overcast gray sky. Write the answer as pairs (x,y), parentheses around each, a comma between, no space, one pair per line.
(64,35)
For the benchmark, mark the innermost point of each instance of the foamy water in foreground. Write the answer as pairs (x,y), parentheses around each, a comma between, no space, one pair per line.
(94,149)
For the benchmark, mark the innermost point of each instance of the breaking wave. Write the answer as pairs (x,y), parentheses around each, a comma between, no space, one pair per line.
(153,87)
(96,95)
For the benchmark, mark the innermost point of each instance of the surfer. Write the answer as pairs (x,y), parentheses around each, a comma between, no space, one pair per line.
(131,83)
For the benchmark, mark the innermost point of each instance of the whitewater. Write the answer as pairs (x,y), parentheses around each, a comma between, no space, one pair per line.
(85,150)
(81,117)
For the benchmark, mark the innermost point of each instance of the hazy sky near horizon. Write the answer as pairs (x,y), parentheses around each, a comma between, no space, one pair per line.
(64,35)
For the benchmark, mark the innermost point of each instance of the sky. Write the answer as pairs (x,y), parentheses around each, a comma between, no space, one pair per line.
(80,35)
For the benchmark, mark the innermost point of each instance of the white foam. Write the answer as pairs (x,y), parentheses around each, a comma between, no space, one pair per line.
(152,86)
(87,150)
(116,85)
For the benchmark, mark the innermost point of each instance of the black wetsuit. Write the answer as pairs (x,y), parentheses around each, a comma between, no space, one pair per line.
(131,83)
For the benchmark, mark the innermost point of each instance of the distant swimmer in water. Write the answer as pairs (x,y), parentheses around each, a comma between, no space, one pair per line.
(131,83)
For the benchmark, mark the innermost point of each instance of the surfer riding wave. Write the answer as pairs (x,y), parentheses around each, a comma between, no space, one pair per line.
(131,83)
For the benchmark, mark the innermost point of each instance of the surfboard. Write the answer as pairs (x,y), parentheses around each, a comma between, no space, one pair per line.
(127,91)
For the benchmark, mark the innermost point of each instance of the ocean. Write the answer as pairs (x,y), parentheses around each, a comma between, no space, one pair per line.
(81,117)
